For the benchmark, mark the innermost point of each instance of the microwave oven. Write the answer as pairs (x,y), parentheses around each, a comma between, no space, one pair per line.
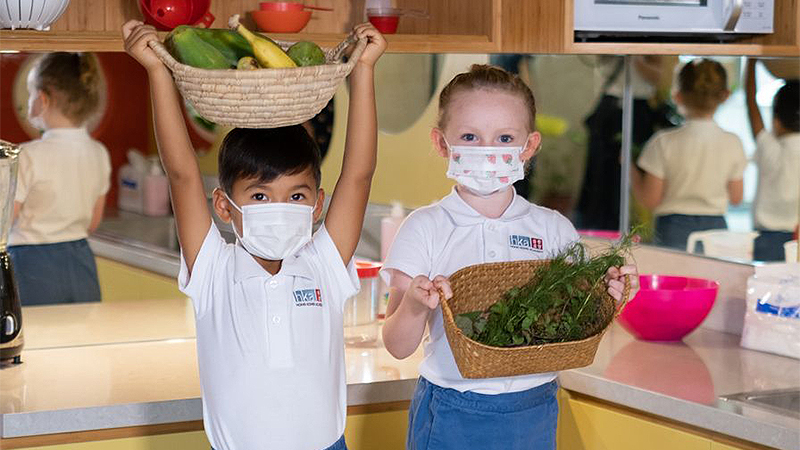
(712,18)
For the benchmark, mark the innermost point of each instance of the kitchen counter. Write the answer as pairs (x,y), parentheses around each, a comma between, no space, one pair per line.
(109,365)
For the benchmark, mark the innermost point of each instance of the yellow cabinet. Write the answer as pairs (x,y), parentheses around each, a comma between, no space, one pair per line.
(122,282)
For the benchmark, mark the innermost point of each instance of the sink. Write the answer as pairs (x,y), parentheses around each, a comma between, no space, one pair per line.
(783,401)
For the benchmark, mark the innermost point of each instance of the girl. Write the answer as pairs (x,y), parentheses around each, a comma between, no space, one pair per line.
(63,179)
(687,175)
(486,130)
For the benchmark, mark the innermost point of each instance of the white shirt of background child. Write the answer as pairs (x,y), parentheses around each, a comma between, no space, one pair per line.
(446,236)
(270,348)
(696,162)
(61,176)
(777,203)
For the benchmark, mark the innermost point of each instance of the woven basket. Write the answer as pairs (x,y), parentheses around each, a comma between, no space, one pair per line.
(480,286)
(263,98)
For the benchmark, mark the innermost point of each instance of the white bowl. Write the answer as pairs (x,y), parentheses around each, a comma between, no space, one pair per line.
(36,14)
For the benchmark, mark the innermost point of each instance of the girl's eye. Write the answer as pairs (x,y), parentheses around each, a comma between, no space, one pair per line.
(506,139)
(468,137)
(259,197)
(298,197)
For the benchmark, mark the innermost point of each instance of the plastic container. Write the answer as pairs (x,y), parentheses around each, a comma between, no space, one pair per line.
(168,14)
(280,6)
(361,311)
(667,308)
(389,226)
(724,243)
(34,14)
(155,190)
(131,183)
(385,20)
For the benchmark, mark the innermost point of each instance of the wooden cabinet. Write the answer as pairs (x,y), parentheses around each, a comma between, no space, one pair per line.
(585,423)
(467,26)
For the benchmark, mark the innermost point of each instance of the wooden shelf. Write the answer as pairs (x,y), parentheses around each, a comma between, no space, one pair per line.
(105,41)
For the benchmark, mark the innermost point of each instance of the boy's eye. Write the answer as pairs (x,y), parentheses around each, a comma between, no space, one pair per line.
(506,139)
(259,197)
(298,197)
(468,137)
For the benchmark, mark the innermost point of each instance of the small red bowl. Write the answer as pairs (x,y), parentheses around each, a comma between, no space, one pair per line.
(667,308)
(280,6)
(281,21)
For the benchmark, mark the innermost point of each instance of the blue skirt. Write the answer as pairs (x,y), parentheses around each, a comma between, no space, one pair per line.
(446,419)
(673,230)
(48,274)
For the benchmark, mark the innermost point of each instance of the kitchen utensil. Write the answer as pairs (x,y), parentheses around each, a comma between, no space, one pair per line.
(361,310)
(288,6)
(723,243)
(168,14)
(11,339)
(36,14)
(386,20)
(667,308)
(287,21)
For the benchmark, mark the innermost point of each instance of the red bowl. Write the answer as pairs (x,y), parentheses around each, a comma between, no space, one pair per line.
(384,20)
(280,6)
(281,21)
(667,308)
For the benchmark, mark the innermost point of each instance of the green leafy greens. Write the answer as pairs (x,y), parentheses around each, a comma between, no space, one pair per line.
(561,302)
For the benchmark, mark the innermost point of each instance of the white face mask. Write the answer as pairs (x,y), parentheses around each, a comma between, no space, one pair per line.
(274,231)
(485,170)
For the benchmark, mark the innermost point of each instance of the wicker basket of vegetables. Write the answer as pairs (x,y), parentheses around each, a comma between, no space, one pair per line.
(525,317)
(243,79)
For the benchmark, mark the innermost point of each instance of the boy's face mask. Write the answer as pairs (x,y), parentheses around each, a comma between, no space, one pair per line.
(274,231)
(484,169)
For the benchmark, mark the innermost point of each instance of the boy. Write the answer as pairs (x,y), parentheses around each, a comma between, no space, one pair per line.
(268,310)
(777,203)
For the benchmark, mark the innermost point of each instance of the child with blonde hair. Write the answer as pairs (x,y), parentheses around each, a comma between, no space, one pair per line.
(62,184)
(486,130)
(688,175)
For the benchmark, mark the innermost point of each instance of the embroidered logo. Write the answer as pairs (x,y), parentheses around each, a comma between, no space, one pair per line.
(307,297)
(531,244)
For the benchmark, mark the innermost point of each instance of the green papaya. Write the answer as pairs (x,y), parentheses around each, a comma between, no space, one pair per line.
(230,43)
(306,53)
(186,45)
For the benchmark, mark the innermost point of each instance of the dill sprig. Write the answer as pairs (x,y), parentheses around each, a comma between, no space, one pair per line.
(561,302)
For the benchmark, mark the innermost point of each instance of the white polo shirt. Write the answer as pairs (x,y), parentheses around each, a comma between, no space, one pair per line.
(777,203)
(270,348)
(696,162)
(61,176)
(446,236)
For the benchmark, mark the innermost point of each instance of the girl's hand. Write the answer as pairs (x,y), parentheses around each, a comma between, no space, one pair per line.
(616,283)
(137,35)
(424,292)
(376,43)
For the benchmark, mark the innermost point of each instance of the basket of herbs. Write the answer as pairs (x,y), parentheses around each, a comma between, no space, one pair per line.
(525,317)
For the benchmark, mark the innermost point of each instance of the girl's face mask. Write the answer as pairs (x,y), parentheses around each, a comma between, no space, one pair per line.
(485,169)
(274,231)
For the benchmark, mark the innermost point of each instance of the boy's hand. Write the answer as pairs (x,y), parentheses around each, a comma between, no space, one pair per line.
(424,292)
(137,35)
(376,44)
(616,283)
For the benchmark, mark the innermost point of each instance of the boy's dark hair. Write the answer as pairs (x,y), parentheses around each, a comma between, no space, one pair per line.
(786,105)
(266,154)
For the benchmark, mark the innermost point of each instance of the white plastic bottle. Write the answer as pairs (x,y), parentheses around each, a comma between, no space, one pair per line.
(389,227)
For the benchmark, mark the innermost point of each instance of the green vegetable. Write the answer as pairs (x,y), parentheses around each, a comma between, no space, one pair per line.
(305,53)
(561,302)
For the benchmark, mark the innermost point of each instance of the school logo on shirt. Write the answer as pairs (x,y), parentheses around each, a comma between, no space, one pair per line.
(307,297)
(529,243)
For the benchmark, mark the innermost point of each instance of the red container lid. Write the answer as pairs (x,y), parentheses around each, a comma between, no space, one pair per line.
(367,269)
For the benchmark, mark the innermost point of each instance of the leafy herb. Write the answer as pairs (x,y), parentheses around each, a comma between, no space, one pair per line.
(561,302)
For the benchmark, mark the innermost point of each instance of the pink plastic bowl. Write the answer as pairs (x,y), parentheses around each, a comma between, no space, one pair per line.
(667,308)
